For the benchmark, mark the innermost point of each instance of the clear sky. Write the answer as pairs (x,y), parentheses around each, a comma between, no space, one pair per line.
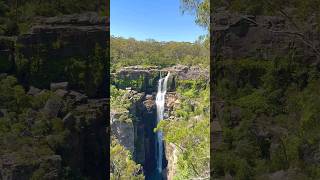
(161,20)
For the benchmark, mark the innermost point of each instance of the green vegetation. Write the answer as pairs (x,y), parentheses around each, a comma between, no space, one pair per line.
(129,82)
(280,97)
(129,52)
(270,107)
(117,100)
(122,165)
(190,131)
(29,135)
(26,133)
(86,74)
(201,9)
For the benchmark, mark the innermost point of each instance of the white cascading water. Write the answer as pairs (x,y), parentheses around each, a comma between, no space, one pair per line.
(160,101)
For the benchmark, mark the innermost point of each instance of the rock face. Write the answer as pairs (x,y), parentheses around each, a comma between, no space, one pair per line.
(60,49)
(138,78)
(188,73)
(6,54)
(172,157)
(89,146)
(65,36)
(123,130)
(124,125)
(238,36)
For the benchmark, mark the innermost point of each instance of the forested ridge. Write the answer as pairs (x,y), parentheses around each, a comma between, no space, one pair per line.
(129,52)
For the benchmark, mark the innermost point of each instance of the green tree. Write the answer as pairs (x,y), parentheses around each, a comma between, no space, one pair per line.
(122,166)
(201,10)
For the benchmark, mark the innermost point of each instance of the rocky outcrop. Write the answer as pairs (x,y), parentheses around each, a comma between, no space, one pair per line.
(239,36)
(125,125)
(182,72)
(89,141)
(11,170)
(83,149)
(58,49)
(145,79)
(64,36)
(61,85)
(123,130)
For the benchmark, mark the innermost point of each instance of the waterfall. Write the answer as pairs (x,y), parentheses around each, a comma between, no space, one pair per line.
(160,101)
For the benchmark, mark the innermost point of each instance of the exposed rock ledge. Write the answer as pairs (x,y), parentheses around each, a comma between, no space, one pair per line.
(145,79)
(182,71)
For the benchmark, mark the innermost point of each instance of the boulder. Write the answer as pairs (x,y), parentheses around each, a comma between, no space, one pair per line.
(78,97)
(311,154)
(3,75)
(33,91)
(149,97)
(149,104)
(61,85)
(3,112)
(61,93)
(69,120)
(53,107)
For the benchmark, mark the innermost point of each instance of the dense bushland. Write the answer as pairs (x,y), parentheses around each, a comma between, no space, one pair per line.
(129,52)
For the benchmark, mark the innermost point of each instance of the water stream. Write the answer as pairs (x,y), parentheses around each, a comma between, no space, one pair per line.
(160,102)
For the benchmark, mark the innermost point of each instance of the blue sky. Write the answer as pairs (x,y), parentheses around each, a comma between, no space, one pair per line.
(161,20)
